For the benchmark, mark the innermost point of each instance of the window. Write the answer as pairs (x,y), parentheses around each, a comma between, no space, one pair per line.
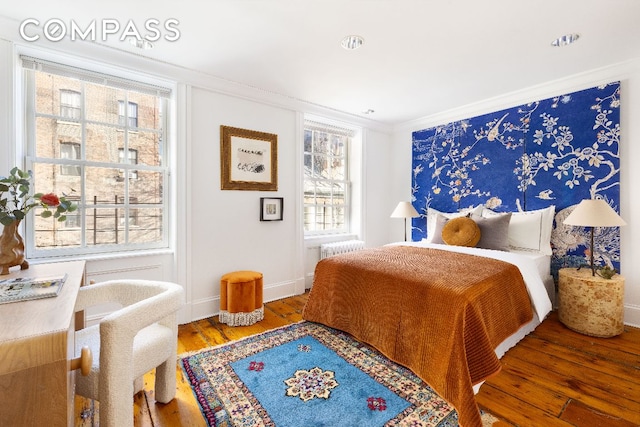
(130,159)
(73,220)
(326,179)
(131,219)
(132,114)
(87,159)
(130,215)
(70,150)
(70,104)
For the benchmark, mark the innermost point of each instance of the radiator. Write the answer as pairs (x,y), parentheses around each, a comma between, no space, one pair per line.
(337,248)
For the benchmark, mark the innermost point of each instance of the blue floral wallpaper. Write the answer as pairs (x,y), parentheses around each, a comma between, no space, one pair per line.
(557,151)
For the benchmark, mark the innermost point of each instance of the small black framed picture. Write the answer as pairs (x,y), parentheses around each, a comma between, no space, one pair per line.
(271,208)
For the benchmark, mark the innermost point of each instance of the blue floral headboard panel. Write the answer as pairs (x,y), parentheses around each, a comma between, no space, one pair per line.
(557,151)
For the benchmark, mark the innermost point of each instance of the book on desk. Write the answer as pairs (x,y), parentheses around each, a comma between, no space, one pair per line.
(29,288)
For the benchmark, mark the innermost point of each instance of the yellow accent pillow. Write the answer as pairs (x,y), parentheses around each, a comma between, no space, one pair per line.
(461,232)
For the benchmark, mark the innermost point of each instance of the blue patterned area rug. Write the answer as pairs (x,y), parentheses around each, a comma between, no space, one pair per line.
(306,375)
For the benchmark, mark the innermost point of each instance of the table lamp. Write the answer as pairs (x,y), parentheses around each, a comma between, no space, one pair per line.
(404,210)
(594,213)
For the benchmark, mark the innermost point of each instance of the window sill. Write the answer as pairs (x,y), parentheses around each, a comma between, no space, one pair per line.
(316,241)
(103,256)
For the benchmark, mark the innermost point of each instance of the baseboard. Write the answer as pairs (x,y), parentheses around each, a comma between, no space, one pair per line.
(308,280)
(632,315)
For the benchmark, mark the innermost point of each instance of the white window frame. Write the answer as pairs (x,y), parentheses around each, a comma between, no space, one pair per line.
(75,148)
(121,79)
(67,107)
(128,114)
(327,125)
(130,160)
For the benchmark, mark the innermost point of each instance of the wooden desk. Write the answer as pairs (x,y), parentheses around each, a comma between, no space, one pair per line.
(36,348)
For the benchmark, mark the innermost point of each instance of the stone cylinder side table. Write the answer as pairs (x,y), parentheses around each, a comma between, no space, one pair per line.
(591,305)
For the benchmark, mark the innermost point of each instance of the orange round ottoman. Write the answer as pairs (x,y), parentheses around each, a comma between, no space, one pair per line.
(241,298)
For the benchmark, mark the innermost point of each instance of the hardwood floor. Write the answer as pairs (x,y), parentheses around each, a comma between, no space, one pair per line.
(554,377)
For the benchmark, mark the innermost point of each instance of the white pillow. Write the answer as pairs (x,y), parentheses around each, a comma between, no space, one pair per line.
(530,230)
(432,218)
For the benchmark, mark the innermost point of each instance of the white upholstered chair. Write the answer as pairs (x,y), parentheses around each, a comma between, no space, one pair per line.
(128,343)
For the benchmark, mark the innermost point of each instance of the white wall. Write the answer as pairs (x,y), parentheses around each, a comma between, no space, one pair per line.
(380,201)
(217,231)
(227,234)
(629,75)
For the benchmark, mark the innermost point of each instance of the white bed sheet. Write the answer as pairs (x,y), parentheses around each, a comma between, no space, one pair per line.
(543,262)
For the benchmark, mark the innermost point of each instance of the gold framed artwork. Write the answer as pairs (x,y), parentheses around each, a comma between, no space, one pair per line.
(249,159)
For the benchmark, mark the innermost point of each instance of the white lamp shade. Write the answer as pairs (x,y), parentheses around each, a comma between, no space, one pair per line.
(404,210)
(594,213)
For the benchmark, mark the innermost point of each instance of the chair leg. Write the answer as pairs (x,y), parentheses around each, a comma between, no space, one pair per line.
(138,384)
(166,381)
(116,406)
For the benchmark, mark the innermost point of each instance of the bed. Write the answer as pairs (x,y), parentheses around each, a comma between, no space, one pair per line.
(446,312)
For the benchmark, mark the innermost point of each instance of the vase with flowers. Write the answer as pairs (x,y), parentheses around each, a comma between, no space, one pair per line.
(15,203)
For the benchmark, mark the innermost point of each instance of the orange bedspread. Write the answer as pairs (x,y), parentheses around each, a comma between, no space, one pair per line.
(439,313)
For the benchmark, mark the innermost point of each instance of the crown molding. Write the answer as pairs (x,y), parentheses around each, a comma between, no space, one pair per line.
(584,80)
(103,56)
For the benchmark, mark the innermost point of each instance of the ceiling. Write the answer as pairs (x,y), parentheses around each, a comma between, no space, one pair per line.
(419,57)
